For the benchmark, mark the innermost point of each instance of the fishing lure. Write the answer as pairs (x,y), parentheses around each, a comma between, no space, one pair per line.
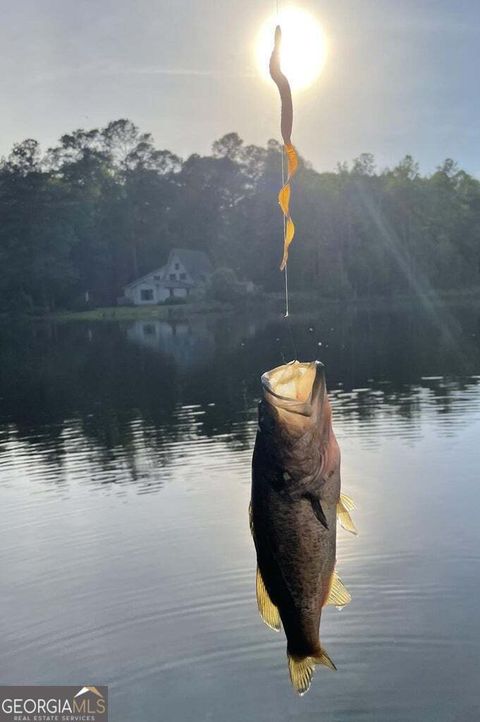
(286,125)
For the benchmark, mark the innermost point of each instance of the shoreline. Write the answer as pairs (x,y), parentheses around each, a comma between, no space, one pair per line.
(300,303)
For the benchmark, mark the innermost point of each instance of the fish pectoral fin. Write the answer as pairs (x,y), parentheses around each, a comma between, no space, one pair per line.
(344,506)
(317,509)
(338,594)
(268,611)
(347,502)
(301,669)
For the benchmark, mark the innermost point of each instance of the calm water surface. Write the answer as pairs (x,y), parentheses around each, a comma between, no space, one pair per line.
(124,546)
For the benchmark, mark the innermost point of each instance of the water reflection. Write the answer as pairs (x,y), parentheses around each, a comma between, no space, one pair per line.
(188,343)
(121,397)
(152,593)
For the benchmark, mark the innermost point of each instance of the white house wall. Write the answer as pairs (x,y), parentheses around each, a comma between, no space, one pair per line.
(173,271)
(180,292)
(159,293)
(176,273)
(162,294)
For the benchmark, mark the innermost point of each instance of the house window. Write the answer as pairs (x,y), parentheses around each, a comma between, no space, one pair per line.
(183,276)
(156,278)
(146,294)
(173,276)
(177,266)
(148,329)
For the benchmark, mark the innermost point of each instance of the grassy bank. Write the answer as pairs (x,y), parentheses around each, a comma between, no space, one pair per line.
(300,302)
(132,313)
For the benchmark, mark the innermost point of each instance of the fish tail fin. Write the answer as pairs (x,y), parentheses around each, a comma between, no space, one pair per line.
(324,659)
(301,672)
(344,506)
(302,668)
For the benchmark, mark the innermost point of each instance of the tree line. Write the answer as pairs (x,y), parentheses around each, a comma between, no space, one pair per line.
(105,206)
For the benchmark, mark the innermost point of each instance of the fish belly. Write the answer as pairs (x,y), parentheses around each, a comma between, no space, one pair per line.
(296,558)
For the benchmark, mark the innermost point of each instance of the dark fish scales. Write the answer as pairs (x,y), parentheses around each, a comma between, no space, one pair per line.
(294,507)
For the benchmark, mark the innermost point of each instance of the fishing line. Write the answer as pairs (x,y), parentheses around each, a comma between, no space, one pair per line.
(285,270)
(283,183)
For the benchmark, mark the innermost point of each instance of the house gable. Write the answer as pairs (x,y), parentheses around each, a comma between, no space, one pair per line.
(175,269)
(197,264)
(184,270)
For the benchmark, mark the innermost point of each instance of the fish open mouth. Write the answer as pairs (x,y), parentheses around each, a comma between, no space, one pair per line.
(295,386)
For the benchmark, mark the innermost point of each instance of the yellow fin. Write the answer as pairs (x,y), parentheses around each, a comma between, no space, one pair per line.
(324,658)
(301,669)
(338,594)
(301,672)
(268,611)
(344,507)
(347,502)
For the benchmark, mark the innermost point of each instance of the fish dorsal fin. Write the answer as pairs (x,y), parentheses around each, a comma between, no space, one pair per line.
(338,594)
(301,669)
(268,611)
(344,506)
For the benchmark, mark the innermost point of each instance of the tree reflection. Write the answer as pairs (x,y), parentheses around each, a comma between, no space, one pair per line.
(122,387)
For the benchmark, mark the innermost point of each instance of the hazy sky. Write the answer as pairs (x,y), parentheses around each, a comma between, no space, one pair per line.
(401,76)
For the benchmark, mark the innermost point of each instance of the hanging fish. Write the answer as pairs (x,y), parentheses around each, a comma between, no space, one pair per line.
(294,506)
(286,125)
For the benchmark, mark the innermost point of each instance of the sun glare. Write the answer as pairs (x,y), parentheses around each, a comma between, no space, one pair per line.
(303,50)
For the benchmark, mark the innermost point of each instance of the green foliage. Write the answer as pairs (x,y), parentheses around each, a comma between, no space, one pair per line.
(105,206)
(224,286)
(174,301)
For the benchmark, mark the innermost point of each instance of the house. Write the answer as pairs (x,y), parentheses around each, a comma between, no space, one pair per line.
(184,271)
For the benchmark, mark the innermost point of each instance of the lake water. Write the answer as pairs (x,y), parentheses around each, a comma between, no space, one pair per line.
(125,552)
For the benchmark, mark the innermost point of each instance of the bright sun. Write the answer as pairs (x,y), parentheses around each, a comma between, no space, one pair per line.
(303,51)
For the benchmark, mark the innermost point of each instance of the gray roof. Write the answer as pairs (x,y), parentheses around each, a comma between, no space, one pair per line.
(197,263)
(157,272)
